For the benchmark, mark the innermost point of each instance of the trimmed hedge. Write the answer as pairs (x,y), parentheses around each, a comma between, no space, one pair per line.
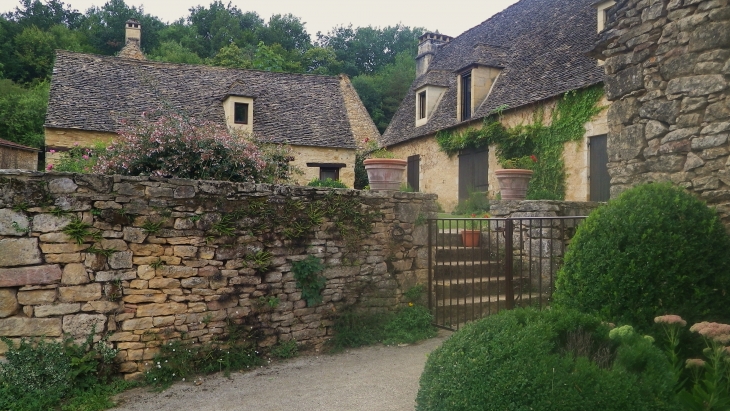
(655,250)
(550,360)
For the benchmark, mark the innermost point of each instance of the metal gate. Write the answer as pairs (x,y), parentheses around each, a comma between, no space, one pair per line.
(513,263)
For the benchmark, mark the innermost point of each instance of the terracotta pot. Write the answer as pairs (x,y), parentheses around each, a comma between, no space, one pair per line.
(471,238)
(385,173)
(513,183)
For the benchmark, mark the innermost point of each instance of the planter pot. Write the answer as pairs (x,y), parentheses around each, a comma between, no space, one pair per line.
(385,173)
(471,238)
(513,183)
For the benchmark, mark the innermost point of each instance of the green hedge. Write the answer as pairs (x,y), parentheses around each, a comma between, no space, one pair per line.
(655,250)
(549,360)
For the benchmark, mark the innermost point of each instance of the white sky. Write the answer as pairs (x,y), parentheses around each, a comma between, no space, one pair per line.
(447,16)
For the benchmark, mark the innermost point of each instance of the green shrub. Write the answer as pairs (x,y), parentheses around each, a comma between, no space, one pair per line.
(43,375)
(476,203)
(327,183)
(408,325)
(545,360)
(655,250)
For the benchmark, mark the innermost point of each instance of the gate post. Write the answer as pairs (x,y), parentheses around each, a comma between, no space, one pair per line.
(509,291)
(431,223)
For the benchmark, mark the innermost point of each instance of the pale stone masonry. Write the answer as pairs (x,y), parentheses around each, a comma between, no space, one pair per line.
(180,281)
(667,71)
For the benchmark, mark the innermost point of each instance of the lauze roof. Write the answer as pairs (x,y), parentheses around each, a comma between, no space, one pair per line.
(92,92)
(541,46)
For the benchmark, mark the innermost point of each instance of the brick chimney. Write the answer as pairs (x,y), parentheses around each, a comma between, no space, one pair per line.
(429,44)
(132,41)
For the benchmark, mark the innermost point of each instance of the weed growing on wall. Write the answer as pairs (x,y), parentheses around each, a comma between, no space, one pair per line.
(285,349)
(306,272)
(181,360)
(571,113)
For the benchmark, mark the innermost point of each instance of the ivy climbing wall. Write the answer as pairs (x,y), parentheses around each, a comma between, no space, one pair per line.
(145,260)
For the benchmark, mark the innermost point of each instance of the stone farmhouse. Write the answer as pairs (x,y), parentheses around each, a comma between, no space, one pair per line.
(320,117)
(521,60)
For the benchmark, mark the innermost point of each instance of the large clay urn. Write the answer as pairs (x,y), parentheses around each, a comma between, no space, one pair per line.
(513,183)
(385,173)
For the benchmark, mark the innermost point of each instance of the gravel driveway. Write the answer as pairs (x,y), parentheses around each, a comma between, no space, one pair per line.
(374,378)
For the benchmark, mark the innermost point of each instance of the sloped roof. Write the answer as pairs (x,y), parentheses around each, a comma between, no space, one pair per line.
(92,92)
(541,46)
(10,144)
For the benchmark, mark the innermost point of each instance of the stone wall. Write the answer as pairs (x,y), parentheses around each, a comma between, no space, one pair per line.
(667,70)
(168,272)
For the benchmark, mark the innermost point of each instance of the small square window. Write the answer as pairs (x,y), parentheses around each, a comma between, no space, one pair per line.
(422,105)
(329,172)
(240,113)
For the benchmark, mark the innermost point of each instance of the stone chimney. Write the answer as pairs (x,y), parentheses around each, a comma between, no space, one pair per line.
(132,41)
(429,44)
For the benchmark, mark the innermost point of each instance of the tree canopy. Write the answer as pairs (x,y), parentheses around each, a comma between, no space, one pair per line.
(380,61)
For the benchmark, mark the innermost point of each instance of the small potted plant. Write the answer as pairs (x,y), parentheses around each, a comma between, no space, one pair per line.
(471,235)
(384,171)
(515,176)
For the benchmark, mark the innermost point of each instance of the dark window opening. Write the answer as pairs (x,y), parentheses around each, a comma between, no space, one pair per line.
(240,113)
(329,172)
(466,95)
(413,170)
(422,105)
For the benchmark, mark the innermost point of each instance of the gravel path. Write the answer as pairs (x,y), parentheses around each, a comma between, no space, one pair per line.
(374,378)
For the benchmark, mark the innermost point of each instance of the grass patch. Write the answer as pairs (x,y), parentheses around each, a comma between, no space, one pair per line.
(406,326)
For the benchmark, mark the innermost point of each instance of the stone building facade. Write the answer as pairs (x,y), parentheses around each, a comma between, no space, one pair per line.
(168,273)
(667,68)
(520,60)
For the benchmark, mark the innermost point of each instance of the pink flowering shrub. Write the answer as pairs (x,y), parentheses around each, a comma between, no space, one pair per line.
(171,145)
(78,159)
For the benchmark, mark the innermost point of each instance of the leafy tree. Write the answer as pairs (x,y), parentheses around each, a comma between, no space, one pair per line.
(105,26)
(231,56)
(35,50)
(44,16)
(382,92)
(174,52)
(220,25)
(321,60)
(22,112)
(286,30)
(365,50)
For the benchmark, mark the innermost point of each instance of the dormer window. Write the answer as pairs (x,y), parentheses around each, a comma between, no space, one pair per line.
(474,83)
(602,8)
(427,98)
(466,95)
(421,105)
(240,113)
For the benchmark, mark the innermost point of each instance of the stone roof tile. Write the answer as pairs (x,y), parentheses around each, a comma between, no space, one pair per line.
(541,46)
(92,92)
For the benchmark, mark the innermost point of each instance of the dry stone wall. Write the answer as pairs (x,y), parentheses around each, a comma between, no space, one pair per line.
(160,263)
(668,65)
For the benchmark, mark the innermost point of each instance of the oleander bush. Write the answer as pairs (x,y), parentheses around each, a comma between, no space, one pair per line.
(558,360)
(176,145)
(654,250)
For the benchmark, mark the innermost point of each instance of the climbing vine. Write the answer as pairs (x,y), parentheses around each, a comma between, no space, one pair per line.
(546,142)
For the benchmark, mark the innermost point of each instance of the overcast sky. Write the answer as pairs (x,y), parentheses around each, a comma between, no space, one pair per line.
(447,16)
